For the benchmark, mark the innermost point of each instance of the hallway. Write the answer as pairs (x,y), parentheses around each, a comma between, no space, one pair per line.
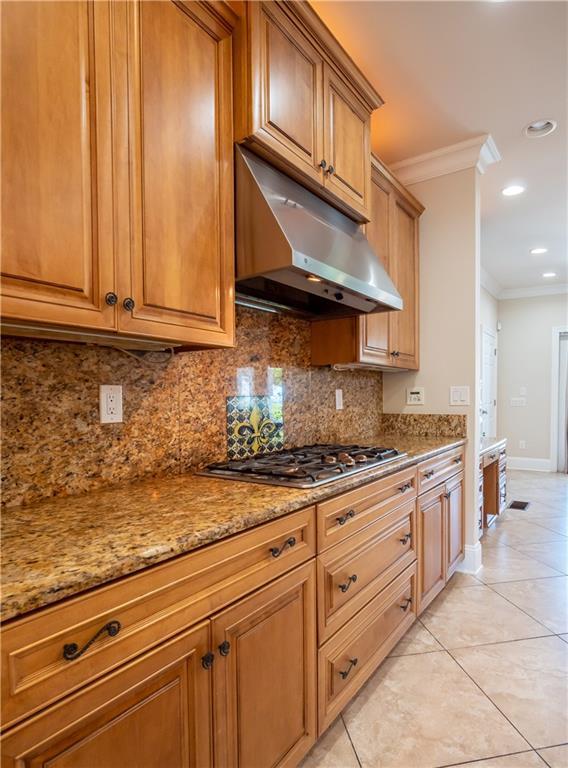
(481,679)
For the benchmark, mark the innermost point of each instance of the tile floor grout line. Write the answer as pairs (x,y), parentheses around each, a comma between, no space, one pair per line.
(350,739)
(523,611)
(491,700)
(482,691)
(533,578)
(482,759)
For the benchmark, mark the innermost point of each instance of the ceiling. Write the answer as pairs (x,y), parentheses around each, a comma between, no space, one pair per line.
(450,71)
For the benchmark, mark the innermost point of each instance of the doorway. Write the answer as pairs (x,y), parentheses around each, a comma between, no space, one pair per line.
(488,395)
(562,461)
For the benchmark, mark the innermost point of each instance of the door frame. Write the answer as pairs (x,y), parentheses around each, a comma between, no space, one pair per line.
(557,331)
(487,329)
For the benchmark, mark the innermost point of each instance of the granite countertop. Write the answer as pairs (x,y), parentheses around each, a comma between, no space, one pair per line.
(490,444)
(66,545)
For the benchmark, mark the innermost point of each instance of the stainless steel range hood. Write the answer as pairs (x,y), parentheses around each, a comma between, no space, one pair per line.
(297,253)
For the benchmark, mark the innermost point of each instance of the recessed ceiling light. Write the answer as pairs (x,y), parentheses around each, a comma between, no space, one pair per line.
(549,274)
(514,189)
(538,251)
(540,128)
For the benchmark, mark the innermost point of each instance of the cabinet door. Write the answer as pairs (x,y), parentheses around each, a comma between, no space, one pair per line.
(181,273)
(265,686)
(374,328)
(154,712)
(57,226)
(289,105)
(432,547)
(347,147)
(454,523)
(404,273)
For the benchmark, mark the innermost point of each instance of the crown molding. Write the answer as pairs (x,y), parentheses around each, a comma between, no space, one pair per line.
(537,290)
(491,285)
(479,152)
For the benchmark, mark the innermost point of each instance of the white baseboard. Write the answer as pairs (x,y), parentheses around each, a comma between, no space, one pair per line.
(526,462)
(471,562)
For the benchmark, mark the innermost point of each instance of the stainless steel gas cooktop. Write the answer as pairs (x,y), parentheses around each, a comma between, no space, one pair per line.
(305,467)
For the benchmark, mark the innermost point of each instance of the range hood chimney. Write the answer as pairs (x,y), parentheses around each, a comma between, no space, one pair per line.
(297,253)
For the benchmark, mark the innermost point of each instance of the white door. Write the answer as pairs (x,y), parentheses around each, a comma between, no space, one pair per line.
(488,397)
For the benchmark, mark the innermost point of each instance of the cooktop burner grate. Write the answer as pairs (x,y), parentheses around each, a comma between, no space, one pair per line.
(305,467)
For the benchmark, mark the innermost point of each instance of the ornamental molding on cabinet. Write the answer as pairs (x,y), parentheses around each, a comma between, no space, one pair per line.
(479,152)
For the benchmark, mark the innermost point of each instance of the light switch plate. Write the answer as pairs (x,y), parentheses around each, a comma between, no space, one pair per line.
(110,403)
(518,402)
(459,395)
(415,396)
(338,399)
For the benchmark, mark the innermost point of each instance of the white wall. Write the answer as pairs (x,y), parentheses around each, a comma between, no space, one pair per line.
(525,359)
(449,314)
(488,310)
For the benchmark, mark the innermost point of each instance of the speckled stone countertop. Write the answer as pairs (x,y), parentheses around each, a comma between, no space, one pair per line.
(64,546)
(490,444)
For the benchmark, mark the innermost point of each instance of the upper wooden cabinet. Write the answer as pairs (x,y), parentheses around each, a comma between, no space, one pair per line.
(58,249)
(117,173)
(384,339)
(300,101)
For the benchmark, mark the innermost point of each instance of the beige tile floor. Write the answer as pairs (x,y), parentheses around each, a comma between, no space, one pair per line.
(481,679)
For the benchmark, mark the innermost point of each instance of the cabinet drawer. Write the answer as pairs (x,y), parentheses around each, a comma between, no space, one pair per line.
(353,572)
(344,515)
(489,458)
(437,470)
(347,660)
(150,606)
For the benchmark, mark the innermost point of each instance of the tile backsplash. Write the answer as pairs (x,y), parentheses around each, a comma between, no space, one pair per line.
(175,408)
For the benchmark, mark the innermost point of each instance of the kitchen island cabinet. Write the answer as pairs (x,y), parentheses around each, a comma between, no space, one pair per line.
(120,228)
(382,340)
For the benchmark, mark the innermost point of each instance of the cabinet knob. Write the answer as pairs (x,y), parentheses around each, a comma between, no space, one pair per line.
(457,460)
(276,552)
(111,299)
(323,164)
(352,663)
(224,648)
(406,538)
(447,495)
(207,660)
(128,304)
(330,170)
(350,580)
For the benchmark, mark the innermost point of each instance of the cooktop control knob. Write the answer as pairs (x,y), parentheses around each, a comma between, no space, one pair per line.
(338,296)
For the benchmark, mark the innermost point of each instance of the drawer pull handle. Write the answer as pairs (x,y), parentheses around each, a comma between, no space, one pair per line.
(352,663)
(406,605)
(351,580)
(344,518)
(447,495)
(428,475)
(405,538)
(405,487)
(224,648)
(207,660)
(71,651)
(458,460)
(275,552)
(493,456)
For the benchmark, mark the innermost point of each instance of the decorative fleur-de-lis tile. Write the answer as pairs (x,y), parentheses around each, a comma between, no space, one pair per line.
(254,425)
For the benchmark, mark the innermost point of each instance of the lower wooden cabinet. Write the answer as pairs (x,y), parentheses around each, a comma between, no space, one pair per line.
(153,712)
(265,675)
(440,536)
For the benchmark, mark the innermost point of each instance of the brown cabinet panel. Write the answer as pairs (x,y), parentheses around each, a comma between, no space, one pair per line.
(455,522)
(289,104)
(347,660)
(347,143)
(154,712)
(181,268)
(439,468)
(265,685)
(404,273)
(432,543)
(57,223)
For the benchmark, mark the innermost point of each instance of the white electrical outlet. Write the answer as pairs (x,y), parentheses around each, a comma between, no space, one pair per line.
(338,399)
(415,396)
(110,403)
(518,402)
(459,395)
(522,443)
